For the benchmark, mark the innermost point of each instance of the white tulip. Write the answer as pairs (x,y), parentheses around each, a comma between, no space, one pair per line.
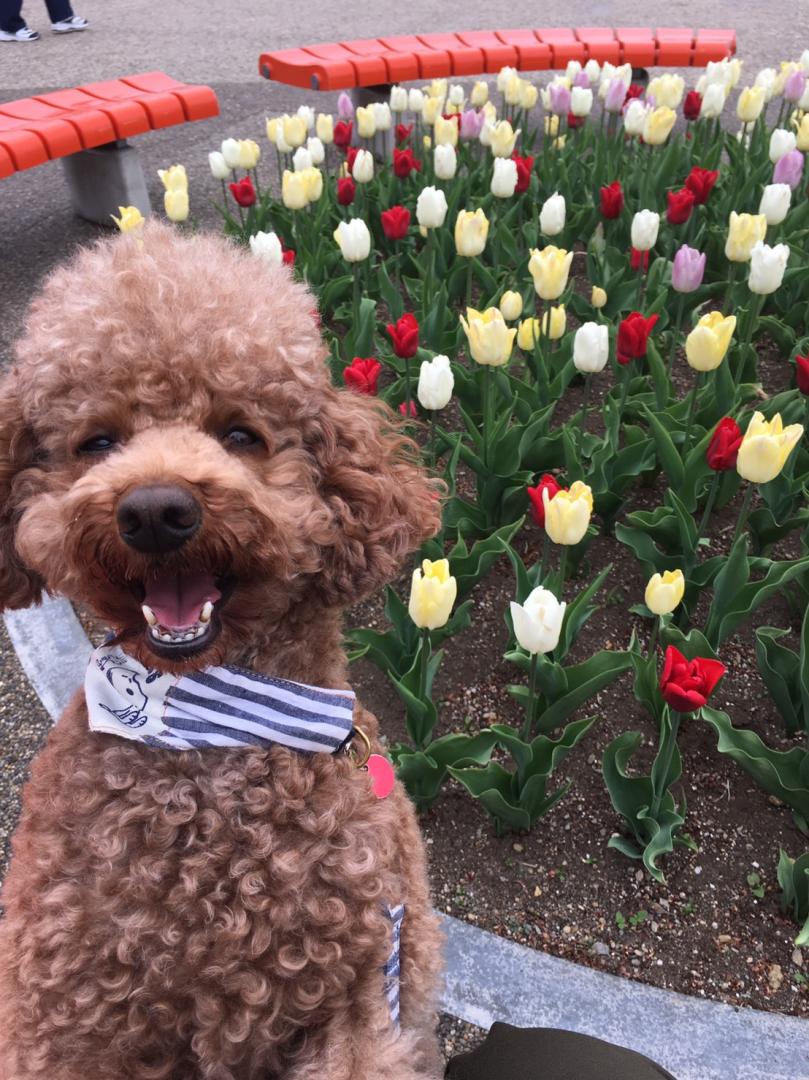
(281,144)
(436,383)
(775,200)
(504,76)
(446,162)
(538,622)
(572,70)
(713,101)
(504,178)
(363,171)
(307,114)
(219,167)
(552,215)
(591,346)
(781,142)
(398,99)
(382,116)
(486,131)
(316,150)
(645,226)
(267,246)
(766,78)
(231,153)
(592,70)
(767,266)
(456,95)
(635,117)
(302,159)
(581,101)
(354,240)
(415,100)
(804,60)
(431,208)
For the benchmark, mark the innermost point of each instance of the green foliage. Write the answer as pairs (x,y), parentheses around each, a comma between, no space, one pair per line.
(424,771)
(793,877)
(786,674)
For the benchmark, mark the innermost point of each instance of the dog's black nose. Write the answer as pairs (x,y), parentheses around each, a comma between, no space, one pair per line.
(158,518)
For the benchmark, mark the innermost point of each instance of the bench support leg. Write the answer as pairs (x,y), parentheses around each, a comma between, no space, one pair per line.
(384,141)
(105,178)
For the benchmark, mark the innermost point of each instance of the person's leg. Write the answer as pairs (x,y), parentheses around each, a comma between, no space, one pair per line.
(10,19)
(59,10)
(511,1053)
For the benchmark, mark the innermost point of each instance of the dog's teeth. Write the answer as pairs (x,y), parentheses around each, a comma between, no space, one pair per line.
(207,611)
(154,631)
(149,615)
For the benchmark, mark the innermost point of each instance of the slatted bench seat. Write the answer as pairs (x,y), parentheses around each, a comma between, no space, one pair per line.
(87,127)
(385,60)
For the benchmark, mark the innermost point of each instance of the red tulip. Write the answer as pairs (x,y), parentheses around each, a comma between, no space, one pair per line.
(454,116)
(574,121)
(343,130)
(700,183)
(351,157)
(681,203)
(723,449)
(403,133)
(405,336)
(692,106)
(634,90)
(412,413)
(638,259)
(243,192)
(612,200)
(404,163)
(547,483)
(633,336)
(686,685)
(288,259)
(346,190)
(395,222)
(802,373)
(362,374)
(525,166)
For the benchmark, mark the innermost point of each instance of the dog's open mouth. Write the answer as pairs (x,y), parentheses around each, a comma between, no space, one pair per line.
(181,612)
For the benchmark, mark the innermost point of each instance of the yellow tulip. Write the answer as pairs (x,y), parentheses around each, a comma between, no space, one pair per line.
(273,126)
(528,95)
(437,89)
(366,122)
(432,594)
(445,132)
(658,124)
(489,111)
(249,153)
(511,305)
(551,124)
(664,593)
(427,142)
(431,110)
(512,90)
(667,90)
(559,142)
(550,269)
(490,340)
(567,514)
(324,128)
(558,322)
(750,103)
(765,448)
(175,201)
(598,297)
(312,183)
(293,190)
(707,344)
(503,139)
(174,179)
(479,95)
(131,219)
(802,134)
(528,334)
(471,230)
(744,231)
(295,130)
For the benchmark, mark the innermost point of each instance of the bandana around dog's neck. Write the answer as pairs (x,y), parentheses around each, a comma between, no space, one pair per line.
(216,707)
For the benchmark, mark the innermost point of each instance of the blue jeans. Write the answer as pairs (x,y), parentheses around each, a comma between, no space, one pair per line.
(11,21)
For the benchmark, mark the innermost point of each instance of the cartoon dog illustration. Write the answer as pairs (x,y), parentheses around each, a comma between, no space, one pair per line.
(127,684)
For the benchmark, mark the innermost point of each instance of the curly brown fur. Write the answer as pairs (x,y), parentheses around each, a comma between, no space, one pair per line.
(213,915)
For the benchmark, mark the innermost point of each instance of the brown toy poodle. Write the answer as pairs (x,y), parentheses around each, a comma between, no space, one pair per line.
(174,456)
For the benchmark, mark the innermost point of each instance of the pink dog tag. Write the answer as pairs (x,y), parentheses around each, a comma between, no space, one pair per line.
(382,775)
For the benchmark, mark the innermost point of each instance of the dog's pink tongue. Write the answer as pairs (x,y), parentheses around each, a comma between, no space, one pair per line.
(177,599)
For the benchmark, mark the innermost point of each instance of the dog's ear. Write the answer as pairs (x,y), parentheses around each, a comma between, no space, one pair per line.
(383,503)
(19,586)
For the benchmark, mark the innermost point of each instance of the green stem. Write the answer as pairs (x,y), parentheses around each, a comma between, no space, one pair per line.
(528,723)
(424,663)
(356,299)
(469,282)
(675,330)
(408,395)
(653,637)
(486,410)
(562,570)
(433,458)
(584,406)
(743,513)
(692,411)
(756,304)
(666,748)
(706,514)
(543,565)
(622,405)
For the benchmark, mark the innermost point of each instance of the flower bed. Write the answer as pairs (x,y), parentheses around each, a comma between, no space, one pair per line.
(593,321)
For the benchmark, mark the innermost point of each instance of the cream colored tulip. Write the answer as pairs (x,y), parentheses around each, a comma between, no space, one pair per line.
(313,184)
(363,168)
(667,90)
(744,231)
(657,125)
(558,322)
(552,125)
(324,128)
(751,102)
(598,297)
(366,122)
(550,269)
(511,305)
(664,592)
(293,190)
(174,179)
(398,99)
(567,514)
(479,95)
(445,132)
(131,219)
(175,200)
(708,343)
(529,95)
(528,334)
(432,593)
(431,110)
(295,130)
(765,448)
(490,340)
(503,139)
(471,231)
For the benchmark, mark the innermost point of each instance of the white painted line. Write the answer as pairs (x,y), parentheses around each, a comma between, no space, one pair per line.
(489,978)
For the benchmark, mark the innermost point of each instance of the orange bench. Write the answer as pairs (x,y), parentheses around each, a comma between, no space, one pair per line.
(49,126)
(377,61)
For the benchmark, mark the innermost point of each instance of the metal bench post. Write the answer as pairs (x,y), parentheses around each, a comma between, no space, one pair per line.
(364,96)
(105,178)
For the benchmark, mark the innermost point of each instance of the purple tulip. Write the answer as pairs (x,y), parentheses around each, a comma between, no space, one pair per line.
(789,169)
(688,269)
(582,80)
(471,123)
(615,96)
(345,106)
(560,99)
(795,86)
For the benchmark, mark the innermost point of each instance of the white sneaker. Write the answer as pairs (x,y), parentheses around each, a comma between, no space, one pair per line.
(25,33)
(69,26)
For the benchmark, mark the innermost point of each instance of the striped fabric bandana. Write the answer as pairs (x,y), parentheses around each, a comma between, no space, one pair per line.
(219,706)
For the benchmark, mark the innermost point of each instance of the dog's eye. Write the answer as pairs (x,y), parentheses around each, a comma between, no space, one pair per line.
(241,438)
(99,444)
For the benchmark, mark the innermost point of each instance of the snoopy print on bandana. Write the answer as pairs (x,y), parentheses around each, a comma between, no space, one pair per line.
(121,688)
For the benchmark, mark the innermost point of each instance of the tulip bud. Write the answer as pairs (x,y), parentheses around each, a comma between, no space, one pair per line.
(174,179)
(383,120)
(581,101)
(789,169)
(552,125)
(550,269)
(490,340)
(480,94)
(591,346)
(765,448)
(593,71)
(567,514)
(398,99)
(781,142)
(353,239)
(688,269)
(598,297)
(471,230)
(802,136)
(175,201)
(219,167)
(445,162)
(615,96)
(766,81)
(744,231)
(230,152)
(503,139)
(767,267)
(436,383)
(415,100)
(538,622)
(512,91)
(528,334)
(317,152)
(707,344)
(438,89)
(431,208)
(313,183)
(272,126)
(511,305)
(504,178)
(552,215)
(363,170)
(528,95)
(324,128)
(713,102)
(307,114)
(645,227)
(301,159)
(131,219)
(295,130)
(293,190)
(635,117)
(366,123)
(775,200)
(554,322)
(456,95)
(345,106)
(795,86)
(445,132)
(431,110)
(432,594)
(664,593)
(267,246)
(658,125)
(504,75)
(750,103)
